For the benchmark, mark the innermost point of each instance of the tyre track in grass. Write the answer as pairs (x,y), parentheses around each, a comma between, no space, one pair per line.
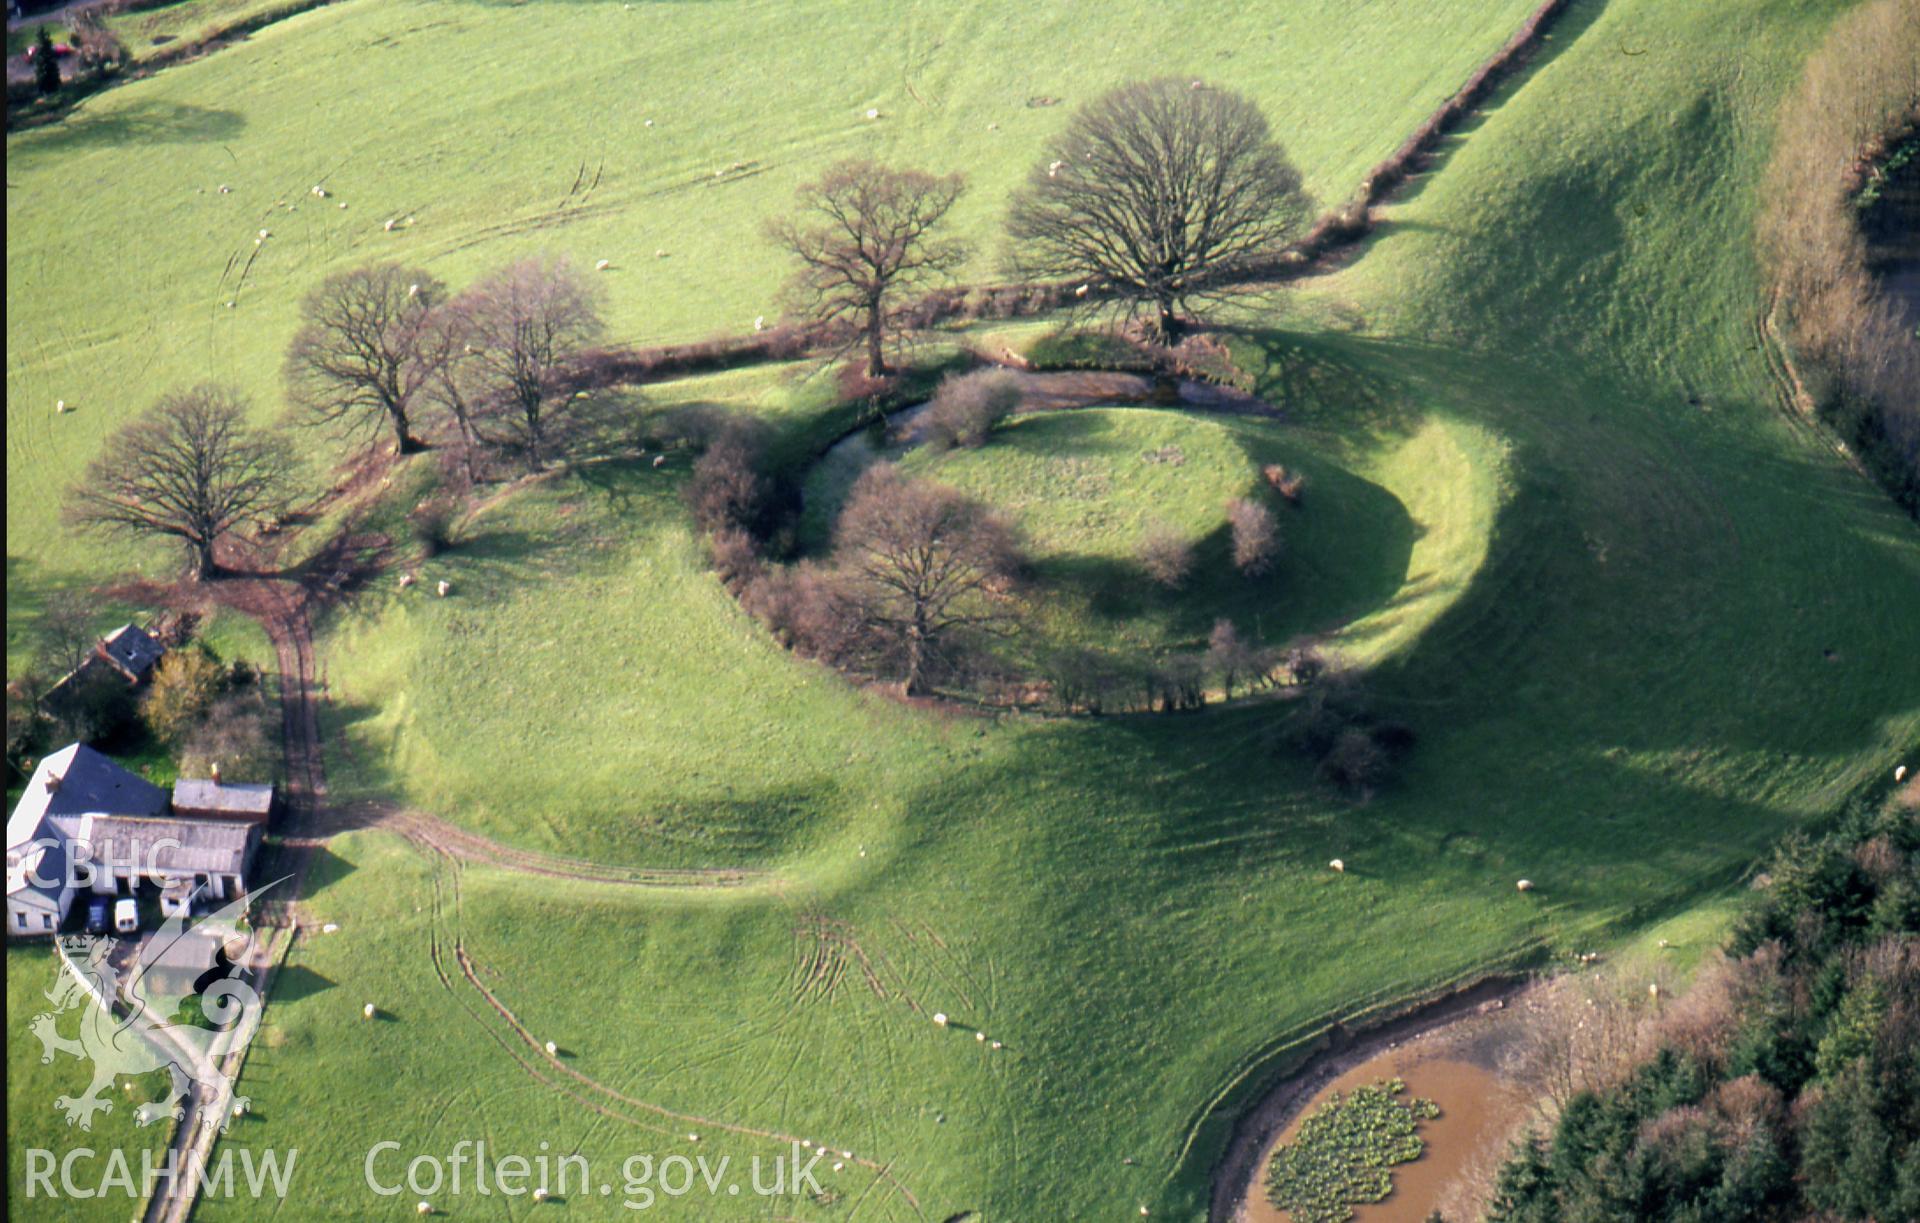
(551,1070)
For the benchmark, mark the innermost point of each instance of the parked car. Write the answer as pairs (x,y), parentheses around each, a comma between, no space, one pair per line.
(126,915)
(98,919)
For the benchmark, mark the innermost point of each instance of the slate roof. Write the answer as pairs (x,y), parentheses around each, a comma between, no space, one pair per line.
(230,799)
(170,843)
(133,649)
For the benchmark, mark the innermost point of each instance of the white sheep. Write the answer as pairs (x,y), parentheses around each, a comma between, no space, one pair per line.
(873,113)
(231,305)
(1082,291)
(648,123)
(659,254)
(1338,865)
(807,1143)
(940,1017)
(539,1195)
(444,587)
(603,265)
(320,191)
(413,290)
(553,1050)
(330,928)
(693,1138)
(1663,944)
(1525,885)
(1053,168)
(369,1010)
(343,204)
(837,1165)
(225,190)
(406,580)
(993,127)
(59,405)
(424,1208)
(265,234)
(994,1045)
(980,1036)
(659,459)
(1899,774)
(760,324)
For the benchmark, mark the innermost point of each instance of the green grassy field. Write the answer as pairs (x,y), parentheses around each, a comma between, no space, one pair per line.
(1643,626)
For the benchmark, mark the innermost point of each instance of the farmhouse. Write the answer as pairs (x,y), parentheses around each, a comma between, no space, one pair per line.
(128,652)
(86,824)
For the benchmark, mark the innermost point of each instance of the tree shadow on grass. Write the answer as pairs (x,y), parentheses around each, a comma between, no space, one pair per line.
(134,123)
(296,981)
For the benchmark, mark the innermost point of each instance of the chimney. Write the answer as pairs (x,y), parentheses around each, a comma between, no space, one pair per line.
(53,783)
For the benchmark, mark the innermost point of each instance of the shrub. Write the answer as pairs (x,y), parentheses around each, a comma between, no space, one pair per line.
(1356,763)
(431,525)
(1083,680)
(1166,557)
(185,685)
(46,69)
(1291,485)
(1256,542)
(236,735)
(966,407)
(736,556)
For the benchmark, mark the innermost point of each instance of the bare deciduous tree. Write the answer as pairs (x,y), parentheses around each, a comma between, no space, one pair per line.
(524,325)
(922,562)
(1160,192)
(357,359)
(862,233)
(65,632)
(189,468)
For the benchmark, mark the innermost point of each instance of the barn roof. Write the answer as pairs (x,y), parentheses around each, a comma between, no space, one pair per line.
(170,844)
(76,780)
(232,799)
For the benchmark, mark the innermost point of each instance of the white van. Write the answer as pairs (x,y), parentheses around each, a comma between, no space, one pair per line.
(126,915)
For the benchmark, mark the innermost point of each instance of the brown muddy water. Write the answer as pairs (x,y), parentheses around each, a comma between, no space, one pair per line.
(1451,1053)
(1476,1111)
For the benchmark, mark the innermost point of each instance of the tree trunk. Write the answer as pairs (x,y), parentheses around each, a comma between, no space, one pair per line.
(200,562)
(876,363)
(916,662)
(1169,323)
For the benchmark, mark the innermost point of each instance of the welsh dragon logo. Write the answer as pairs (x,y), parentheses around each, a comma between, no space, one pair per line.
(136,1018)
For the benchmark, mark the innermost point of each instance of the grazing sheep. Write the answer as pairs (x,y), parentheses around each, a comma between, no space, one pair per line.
(873,114)
(837,1165)
(265,234)
(980,1036)
(1338,865)
(369,1010)
(1900,773)
(230,305)
(413,290)
(406,580)
(59,405)
(320,191)
(603,265)
(1653,991)
(693,1138)
(659,254)
(846,1154)
(553,1050)
(539,1195)
(648,123)
(444,587)
(994,1045)
(225,190)
(1525,885)
(807,1143)
(1053,168)
(1663,944)
(388,225)
(1082,290)
(993,127)
(424,1208)
(760,324)
(659,459)
(343,203)
(330,928)
(940,1017)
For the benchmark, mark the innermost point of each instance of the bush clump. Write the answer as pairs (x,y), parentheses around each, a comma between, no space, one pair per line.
(1256,541)
(967,407)
(1166,557)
